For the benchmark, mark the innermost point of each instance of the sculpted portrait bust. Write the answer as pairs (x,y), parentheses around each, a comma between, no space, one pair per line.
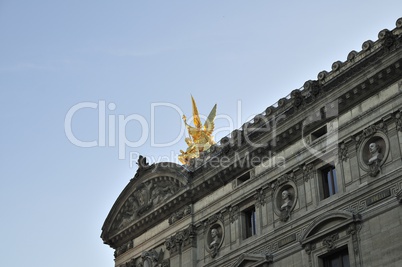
(286,201)
(215,238)
(375,154)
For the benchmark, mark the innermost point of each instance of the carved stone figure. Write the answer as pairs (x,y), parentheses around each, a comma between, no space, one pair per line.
(160,194)
(374,152)
(214,245)
(143,165)
(375,159)
(287,202)
(215,237)
(128,212)
(286,205)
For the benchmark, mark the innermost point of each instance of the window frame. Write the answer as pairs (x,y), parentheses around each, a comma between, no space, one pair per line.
(249,222)
(328,186)
(324,260)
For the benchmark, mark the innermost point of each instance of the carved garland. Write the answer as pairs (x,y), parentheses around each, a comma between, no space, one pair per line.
(343,152)
(259,198)
(234,212)
(308,172)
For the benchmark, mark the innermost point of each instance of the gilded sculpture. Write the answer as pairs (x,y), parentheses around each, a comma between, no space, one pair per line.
(200,136)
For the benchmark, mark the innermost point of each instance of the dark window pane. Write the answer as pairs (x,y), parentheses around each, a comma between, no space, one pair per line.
(345,260)
(337,259)
(250,222)
(329,183)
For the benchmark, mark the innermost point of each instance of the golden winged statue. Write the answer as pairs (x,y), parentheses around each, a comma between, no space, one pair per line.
(201,137)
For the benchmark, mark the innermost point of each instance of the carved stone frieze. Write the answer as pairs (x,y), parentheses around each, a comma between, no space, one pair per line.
(180,214)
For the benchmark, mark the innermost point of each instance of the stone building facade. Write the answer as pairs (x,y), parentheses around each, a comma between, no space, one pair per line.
(315,180)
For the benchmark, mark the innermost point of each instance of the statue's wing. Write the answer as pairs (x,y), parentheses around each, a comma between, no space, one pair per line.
(196,116)
(209,123)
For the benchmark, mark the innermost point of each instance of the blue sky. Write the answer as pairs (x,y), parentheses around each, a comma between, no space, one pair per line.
(142,60)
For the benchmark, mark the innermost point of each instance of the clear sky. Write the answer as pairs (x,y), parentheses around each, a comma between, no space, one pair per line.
(79,78)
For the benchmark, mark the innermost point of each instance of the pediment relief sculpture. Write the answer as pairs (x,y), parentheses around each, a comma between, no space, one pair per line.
(147,196)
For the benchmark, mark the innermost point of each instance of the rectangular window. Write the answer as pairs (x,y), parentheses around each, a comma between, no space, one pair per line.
(242,178)
(318,133)
(337,259)
(329,182)
(250,228)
